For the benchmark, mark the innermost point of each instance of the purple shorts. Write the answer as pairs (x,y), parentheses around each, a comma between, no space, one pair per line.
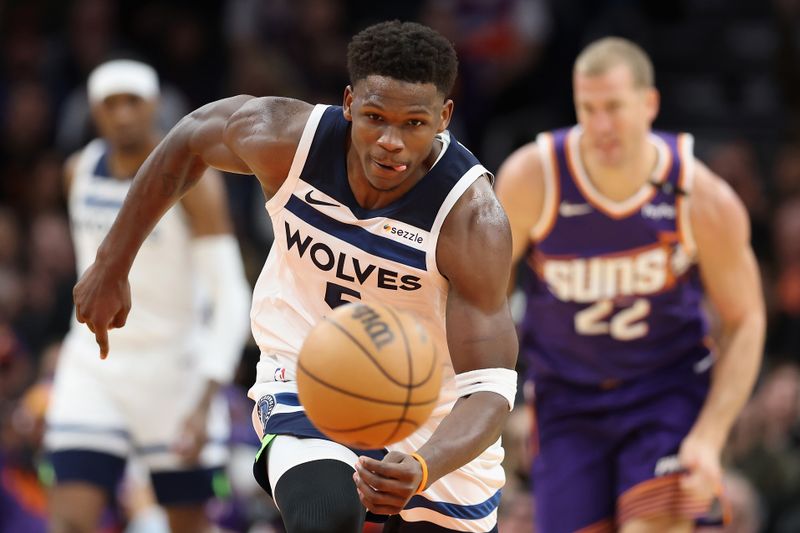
(597,444)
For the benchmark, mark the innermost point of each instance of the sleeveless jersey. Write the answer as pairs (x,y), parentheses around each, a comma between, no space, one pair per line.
(164,304)
(328,250)
(615,291)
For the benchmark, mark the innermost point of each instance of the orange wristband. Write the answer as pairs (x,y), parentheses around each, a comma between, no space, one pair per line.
(424,466)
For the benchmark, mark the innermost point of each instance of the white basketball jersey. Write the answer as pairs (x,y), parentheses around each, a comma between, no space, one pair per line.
(329,250)
(164,303)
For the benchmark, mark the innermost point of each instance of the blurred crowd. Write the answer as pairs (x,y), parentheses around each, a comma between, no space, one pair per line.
(728,71)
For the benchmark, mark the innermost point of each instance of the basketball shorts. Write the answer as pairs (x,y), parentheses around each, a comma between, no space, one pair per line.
(464,500)
(101,412)
(606,456)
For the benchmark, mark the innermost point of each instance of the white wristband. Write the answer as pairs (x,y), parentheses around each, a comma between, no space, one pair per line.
(502,381)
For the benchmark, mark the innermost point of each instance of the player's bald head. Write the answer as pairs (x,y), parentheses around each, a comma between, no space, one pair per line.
(603,55)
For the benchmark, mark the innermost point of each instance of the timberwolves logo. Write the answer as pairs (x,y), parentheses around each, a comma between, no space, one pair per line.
(265,406)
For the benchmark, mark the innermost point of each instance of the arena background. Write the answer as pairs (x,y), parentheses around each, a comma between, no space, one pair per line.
(728,71)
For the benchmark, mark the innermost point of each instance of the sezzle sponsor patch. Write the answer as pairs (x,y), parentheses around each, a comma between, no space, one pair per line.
(408,235)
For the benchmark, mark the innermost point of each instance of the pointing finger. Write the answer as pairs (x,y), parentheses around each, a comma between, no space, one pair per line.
(101,336)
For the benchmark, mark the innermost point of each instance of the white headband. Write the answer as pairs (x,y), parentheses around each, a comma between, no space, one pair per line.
(122,76)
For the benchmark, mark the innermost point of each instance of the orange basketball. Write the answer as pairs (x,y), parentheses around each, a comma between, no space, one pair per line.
(368,375)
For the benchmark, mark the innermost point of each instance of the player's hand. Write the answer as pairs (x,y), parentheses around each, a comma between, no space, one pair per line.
(385,487)
(701,459)
(192,438)
(102,302)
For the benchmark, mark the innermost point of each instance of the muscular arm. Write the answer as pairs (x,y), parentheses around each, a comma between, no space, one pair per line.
(731,280)
(474,254)
(520,190)
(240,134)
(174,166)
(730,277)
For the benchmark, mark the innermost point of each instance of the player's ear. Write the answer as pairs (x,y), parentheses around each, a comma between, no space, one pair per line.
(445,116)
(652,103)
(347,103)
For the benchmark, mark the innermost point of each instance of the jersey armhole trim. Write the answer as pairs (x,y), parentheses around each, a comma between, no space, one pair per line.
(547,218)
(685,182)
(82,172)
(279,199)
(450,200)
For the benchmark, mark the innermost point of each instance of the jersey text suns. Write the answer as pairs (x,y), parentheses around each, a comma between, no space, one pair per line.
(641,272)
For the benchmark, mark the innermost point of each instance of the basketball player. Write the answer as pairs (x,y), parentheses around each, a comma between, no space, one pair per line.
(156,398)
(625,232)
(371,201)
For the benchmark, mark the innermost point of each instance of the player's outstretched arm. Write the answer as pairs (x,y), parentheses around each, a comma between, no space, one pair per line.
(241,134)
(730,277)
(474,253)
(475,256)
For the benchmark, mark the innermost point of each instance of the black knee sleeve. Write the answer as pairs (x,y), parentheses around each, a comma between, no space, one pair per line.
(320,497)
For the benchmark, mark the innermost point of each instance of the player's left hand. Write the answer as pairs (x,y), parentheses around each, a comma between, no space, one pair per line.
(102,301)
(192,438)
(701,459)
(385,487)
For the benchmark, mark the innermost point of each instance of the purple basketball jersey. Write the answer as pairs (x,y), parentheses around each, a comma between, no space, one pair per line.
(615,293)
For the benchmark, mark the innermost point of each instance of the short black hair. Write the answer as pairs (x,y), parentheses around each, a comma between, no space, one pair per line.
(405,51)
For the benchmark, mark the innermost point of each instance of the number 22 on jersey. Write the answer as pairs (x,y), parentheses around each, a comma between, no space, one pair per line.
(624,325)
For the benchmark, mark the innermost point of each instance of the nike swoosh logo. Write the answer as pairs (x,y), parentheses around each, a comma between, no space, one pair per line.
(314,201)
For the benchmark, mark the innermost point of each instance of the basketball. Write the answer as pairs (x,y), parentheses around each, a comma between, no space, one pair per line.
(368,375)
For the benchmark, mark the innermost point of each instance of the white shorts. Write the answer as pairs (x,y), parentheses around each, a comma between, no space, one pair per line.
(464,500)
(130,404)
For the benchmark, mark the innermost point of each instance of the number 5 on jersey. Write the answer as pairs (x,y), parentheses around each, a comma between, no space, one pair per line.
(335,295)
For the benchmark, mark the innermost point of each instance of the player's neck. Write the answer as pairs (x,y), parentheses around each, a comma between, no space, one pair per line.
(620,182)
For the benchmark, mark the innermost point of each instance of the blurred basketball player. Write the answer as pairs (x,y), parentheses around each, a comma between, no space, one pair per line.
(625,232)
(156,398)
(371,201)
